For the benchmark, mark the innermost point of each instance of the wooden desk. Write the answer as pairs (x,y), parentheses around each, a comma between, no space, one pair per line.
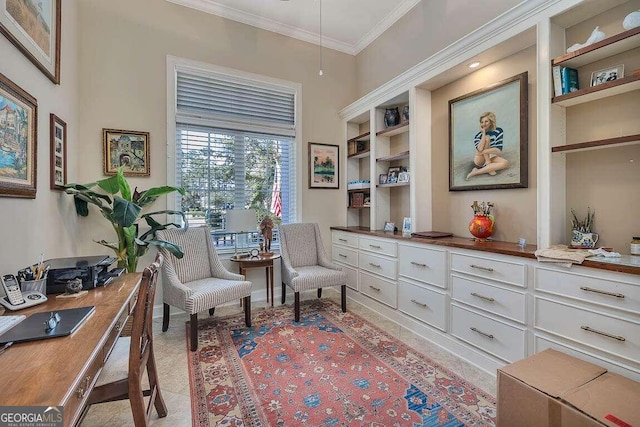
(260,261)
(62,371)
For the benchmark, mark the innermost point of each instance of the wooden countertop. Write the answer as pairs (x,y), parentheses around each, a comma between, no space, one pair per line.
(628,264)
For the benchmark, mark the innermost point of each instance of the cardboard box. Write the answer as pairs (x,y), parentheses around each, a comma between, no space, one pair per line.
(554,389)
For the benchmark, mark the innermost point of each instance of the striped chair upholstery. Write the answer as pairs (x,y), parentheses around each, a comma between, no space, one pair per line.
(198,281)
(305,264)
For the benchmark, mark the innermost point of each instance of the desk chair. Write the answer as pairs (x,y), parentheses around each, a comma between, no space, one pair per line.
(117,382)
(305,264)
(198,281)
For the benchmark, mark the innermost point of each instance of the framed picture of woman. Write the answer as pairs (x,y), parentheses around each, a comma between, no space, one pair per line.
(488,132)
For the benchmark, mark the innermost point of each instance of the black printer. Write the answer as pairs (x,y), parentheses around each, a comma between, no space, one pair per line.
(93,270)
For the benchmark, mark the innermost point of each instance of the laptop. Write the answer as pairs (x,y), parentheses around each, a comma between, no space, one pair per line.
(33,327)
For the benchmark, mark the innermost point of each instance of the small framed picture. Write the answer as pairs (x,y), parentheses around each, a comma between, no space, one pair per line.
(392,174)
(403,177)
(607,75)
(127,149)
(389,226)
(406,225)
(58,142)
(382,179)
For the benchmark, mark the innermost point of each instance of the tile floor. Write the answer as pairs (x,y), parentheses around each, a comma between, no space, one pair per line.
(171,358)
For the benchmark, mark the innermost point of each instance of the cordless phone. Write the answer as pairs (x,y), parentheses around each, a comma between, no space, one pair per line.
(12,289)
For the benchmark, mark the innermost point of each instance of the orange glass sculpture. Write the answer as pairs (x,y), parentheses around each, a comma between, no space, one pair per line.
(481,226)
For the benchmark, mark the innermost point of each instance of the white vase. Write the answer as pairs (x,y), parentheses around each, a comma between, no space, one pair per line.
(632,20)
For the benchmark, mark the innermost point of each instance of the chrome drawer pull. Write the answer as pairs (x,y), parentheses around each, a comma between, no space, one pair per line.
(342,255)
(375,265)
(595,331)
(374,288)
(598,291)
(482,333)
(343,240)
(479,267)
(418,264)
(483,297)
(421,304)
(490,336)
(374,246)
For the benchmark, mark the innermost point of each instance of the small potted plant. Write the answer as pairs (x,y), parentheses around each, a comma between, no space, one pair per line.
(581,235)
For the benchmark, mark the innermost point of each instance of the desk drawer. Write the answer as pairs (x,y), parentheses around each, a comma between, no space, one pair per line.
(386,267)
(505,271)
(614,335)
(378,289)
(493,299)
(495,337)
(346,239)
(424,304)
(344,255)
(114,334)
(601,291)
(423,264)
(81,390)
(379,246)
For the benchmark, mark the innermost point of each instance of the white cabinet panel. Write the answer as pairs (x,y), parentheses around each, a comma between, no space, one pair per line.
(424,304)
(496,300)
(503,270)
(379,289)
(344,255)
(346,239)
(423,264)
(383,266)
(379,246)
(352,277)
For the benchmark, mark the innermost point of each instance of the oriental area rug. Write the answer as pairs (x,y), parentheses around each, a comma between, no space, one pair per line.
(330,369)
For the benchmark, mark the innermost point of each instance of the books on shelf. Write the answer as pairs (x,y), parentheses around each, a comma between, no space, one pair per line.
(565,80)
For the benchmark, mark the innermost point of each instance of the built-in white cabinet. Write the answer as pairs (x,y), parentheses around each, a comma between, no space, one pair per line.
(344,251)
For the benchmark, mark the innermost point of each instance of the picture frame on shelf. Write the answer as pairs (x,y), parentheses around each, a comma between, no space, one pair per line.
(406,225)
(382,178)
(127,149)
(58,152)
(324,166)
(18,141)
(607,75)
(389,226)
(392,174)
(488,137)
(403,177)
(35,31)
(357,200)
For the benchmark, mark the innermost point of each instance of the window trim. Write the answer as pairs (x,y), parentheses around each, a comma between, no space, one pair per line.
(176,63)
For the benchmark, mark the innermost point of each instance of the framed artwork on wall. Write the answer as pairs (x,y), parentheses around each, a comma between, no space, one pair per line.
(34,28)
(127,149)
(18,140)
(58,141)
(488,131)
(324,166)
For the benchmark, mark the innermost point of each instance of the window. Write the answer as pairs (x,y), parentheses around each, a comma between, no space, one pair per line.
(235,139)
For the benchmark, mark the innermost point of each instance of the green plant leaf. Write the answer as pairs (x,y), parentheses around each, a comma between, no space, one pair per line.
(125,213)
(150,195)
(109,185)
(82,207)
(125,189)
(171,247)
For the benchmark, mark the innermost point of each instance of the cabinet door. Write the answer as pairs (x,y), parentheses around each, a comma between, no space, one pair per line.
(352,277)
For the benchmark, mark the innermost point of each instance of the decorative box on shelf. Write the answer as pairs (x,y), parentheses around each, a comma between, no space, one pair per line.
(358,185)
(357,200)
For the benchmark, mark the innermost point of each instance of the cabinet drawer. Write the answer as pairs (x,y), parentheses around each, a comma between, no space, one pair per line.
(505,271)
(493,299)
(382,247)
(493,336)
(378,289)
(347,239)
(605,292)
(424,304)
(423,264)
(344,255)
(77,398)
(378,265)
(114,334)
(352,277)
(614,335)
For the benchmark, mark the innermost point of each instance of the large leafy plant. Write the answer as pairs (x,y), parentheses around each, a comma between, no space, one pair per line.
(123,209)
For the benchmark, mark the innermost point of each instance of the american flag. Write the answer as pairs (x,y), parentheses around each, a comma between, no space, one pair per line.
(276,197)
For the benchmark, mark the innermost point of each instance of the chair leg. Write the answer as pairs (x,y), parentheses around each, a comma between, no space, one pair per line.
(136,400)
(152,374)
(284,292)
(247,311)
(296,307)
(211,310)
(194,332)
(343,297)
(319,292)
(165,317)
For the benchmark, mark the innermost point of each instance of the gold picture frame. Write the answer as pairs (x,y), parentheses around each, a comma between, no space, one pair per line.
(324,166)
(127,149)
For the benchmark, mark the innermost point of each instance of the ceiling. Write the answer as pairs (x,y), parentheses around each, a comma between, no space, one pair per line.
(347,25)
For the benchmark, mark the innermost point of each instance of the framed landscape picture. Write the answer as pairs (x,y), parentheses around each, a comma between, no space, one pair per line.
(324,164)
(126,149)
(18,140)
(34,28)
(488,131)
(58,142)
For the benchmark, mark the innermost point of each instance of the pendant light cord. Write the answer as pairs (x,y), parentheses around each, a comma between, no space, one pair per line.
(320,72)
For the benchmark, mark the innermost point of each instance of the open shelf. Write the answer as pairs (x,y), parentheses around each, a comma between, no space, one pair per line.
(361,154)
(604,90)
(358,207)
(610,46)
(364,137)
(398,156)
(601,143)
(359,190)
(394,130)
(394,184)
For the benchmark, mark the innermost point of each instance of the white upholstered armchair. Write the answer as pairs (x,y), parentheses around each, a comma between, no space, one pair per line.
(198,281)
(305,264)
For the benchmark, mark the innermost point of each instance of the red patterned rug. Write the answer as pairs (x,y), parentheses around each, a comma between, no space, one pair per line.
(330,369)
